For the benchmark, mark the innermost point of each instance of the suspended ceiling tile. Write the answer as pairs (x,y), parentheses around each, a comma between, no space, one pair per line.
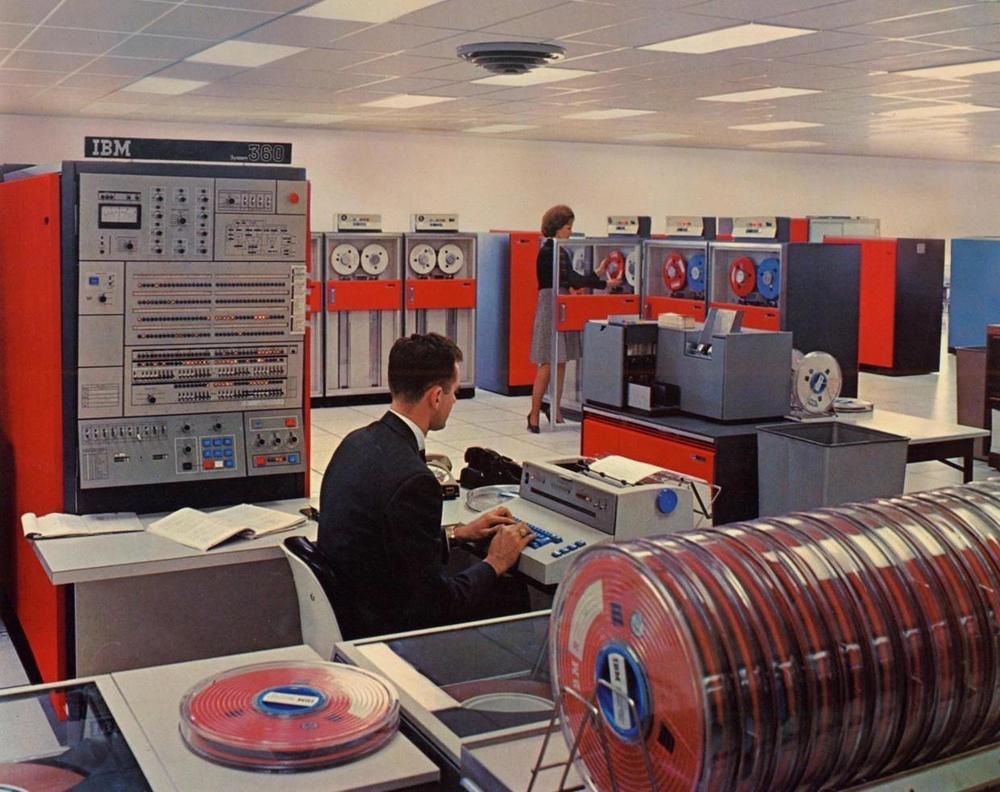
(864,53)
(409,85)
(462,89)
(299,78)
(217,23)
(399,65)
(965,15)
(920,60)
(135,67)
(274,6)
(814,42)
(463,15)
(753,10)
(300,31)
(985,37)
(166,47)
(126,16)
(46,61)
(654,29)
(320,59)
(29,77)
(854,12)
(12,35)
(624,57)
(29,12)
(391,37)
(560,21)
(86,42)
(103,83)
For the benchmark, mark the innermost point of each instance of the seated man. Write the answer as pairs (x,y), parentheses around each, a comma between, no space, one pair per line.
(380,510)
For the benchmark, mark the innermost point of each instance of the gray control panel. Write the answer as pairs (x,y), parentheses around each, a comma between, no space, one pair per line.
(191,320)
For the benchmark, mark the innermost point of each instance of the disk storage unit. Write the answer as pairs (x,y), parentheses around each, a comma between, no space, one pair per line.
(439,287)
(572,310)
(902,295)
(506,291)
(364,307)
(814,651)
(810,289)
(152,347)
(974,300)
(675,269)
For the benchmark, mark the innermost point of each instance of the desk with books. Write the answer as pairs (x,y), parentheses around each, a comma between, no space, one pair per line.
(138,599)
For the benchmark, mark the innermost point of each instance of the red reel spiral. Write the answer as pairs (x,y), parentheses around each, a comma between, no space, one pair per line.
(815,650)
(616,264)
(289,716)
(742,276)
(674,272)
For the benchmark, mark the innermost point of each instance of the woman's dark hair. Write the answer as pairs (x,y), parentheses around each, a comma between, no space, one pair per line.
(556,218)
(419,362)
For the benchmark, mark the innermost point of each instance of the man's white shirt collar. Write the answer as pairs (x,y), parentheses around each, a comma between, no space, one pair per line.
(421,444)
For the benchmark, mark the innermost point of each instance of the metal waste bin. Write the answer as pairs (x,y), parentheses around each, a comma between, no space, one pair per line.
(804,466)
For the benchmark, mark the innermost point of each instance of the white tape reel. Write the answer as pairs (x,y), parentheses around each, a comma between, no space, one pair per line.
(422,259)
(579,260)
(818,381)
(344,259)
(631,267)
(374,259)
(451,259)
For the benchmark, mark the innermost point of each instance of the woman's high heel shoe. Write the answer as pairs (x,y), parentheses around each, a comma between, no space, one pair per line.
(533,428)
(546,412)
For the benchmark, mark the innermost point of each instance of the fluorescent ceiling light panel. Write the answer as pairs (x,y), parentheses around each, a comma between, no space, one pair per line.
(164,85)
(748,35)
(374,11)
(406,101)
(534,77)
(776,126)
(937,111)
(494,129)
(608,115)
(318,118)
(788,144)
(243,53)
(758,95)
(954,72)
(113,107)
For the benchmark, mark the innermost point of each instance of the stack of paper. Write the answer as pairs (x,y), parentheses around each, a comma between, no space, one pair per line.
(56,524)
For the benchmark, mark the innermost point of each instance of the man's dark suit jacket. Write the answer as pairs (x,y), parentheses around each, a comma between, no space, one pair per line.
(380,526)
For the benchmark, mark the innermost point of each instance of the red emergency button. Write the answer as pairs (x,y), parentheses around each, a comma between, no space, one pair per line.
(259,461)
(290,423)
(208,464)
(293,198)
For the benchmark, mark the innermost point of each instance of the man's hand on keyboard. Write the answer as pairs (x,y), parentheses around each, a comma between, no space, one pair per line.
(485,525)
(506,546)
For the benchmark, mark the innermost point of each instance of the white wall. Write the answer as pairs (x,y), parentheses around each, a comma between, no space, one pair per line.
(508,184)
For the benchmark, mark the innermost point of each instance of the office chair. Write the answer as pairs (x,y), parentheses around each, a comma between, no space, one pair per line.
(314,585)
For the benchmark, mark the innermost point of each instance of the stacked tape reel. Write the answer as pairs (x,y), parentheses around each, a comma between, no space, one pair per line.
(283,717)
(815,650)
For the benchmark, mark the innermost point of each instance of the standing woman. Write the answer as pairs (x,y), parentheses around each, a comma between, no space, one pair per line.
(557,223)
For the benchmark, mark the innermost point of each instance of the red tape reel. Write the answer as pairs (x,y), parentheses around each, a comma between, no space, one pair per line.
(674,272)
(742,276)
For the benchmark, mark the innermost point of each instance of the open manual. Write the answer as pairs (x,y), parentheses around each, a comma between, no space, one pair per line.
(54,525)
(204,530)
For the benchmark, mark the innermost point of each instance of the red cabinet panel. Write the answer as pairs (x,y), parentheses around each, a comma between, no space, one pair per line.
(674,453)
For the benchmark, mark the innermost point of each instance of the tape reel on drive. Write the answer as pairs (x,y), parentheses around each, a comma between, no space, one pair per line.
(422,259)
(374,259)
(631,267)
(450,259)
(344,259)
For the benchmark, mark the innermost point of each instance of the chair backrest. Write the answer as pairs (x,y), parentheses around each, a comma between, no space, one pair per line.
(314,586)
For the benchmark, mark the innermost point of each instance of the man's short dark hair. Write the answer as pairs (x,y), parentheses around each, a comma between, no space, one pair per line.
(419,362)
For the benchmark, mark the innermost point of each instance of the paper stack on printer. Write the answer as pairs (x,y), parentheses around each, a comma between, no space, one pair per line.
(203,530)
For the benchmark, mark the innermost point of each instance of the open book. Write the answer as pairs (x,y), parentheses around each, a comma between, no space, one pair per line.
(57,524)
(203,531)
